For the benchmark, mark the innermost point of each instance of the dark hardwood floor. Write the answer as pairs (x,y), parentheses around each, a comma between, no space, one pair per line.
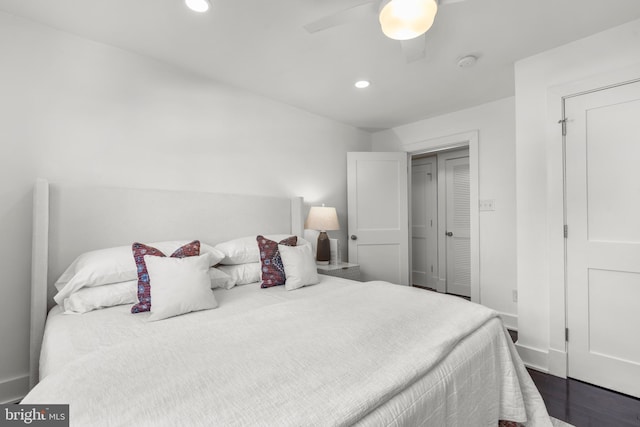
(586,405)
(582,404)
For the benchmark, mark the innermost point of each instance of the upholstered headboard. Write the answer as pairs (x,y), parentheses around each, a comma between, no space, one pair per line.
(70,220)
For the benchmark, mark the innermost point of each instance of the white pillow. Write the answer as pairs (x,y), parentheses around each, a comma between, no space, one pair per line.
(299,266)
(179,285)
(114,265)
(220,279)
(242,274)
(245,249)
(88,299)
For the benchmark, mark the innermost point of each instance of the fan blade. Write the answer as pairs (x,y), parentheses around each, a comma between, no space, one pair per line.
(357,12)
(446,2)
(414,49)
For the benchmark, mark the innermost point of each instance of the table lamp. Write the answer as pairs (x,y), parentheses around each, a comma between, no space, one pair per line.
(322,219)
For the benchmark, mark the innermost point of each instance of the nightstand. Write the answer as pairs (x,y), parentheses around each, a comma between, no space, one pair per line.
(345,270)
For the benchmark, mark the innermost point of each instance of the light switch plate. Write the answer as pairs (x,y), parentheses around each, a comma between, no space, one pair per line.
(487,205)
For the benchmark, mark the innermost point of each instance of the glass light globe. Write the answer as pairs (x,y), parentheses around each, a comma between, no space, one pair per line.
(197,5)
(407,19)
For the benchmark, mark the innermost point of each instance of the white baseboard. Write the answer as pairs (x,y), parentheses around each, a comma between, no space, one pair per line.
(558,363)
(509,320)
(13,390)
(534,358)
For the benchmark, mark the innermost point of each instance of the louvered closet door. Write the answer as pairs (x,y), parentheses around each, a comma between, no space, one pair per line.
(458,226)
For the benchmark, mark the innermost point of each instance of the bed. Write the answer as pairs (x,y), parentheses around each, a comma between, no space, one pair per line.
(338,352)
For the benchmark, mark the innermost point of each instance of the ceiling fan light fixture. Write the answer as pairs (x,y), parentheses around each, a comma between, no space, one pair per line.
(407,19)
(198,5)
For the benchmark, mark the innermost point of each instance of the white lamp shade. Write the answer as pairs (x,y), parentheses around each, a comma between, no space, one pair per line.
(322,218)
(407,19)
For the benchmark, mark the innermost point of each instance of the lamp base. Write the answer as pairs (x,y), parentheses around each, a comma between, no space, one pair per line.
(323,253)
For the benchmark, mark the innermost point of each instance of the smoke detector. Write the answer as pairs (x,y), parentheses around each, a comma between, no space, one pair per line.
(467,61)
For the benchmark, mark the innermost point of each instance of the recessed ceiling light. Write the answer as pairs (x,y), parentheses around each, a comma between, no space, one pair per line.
(197,5)
(361,84)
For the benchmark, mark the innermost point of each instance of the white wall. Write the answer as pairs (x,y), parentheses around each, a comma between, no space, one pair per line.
(495,123)
(541,81)
(76,111)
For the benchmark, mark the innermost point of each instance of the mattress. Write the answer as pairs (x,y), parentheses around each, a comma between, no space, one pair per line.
(70,336)
(337,353)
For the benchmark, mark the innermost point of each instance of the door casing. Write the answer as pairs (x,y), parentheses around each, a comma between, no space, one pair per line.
(460,140)
(553,357)
(601,254)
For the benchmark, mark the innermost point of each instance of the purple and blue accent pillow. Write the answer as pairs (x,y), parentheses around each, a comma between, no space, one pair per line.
(271,262)
(144,283)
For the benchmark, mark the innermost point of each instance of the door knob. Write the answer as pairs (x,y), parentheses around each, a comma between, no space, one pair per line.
(448,233)
(354,237)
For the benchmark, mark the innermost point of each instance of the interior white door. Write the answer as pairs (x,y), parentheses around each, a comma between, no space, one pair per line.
(458,226)
(424,222)
(378,204)
(603,241)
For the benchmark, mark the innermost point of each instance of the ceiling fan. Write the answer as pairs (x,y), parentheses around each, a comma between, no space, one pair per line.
(403,20)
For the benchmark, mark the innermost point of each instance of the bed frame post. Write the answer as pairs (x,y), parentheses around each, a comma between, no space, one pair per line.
(39,269)
(297,217)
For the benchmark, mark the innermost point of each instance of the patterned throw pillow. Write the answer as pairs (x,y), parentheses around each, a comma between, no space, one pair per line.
(144,283)
(271,263)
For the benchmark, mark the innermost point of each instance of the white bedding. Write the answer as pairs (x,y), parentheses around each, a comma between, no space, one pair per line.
(70,336)
(337,353)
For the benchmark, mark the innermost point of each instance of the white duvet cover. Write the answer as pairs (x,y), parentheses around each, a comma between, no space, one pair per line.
(337,353)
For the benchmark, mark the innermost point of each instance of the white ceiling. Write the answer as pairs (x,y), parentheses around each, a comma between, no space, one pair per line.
(260,45)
